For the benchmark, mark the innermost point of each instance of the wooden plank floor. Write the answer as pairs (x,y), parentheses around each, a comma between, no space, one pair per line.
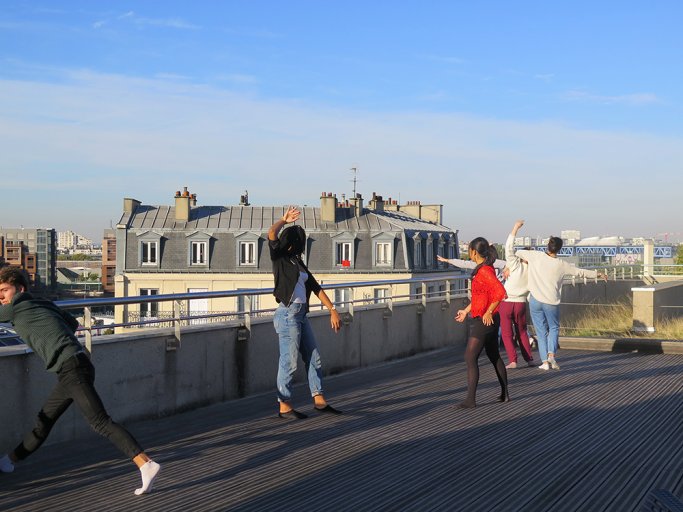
(596,435)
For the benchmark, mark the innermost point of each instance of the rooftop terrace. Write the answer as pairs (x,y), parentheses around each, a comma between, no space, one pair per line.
(597,435)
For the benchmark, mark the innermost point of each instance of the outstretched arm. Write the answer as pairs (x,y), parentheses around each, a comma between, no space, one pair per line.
(457,262)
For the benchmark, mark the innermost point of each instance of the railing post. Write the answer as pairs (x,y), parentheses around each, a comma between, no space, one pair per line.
(448,291)
(390,301)
(87,320)
(177,309)
(352,298)
(247,312)
(424,294)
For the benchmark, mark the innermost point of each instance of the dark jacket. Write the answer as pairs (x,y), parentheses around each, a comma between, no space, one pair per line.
(46,329)
(286,272)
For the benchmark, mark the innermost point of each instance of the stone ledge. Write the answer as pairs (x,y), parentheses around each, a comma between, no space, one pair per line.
(652,346)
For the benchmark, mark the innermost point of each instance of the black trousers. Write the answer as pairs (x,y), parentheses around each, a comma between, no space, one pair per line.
(75,383)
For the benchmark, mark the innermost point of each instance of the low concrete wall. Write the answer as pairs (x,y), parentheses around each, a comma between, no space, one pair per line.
(656,303)
(138,378)
(582,297)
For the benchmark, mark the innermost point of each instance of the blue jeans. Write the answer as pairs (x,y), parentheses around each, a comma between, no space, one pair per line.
(296,336)
(546,318)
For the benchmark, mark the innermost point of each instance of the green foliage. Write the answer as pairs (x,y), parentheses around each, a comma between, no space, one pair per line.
(679,255)
(77,257)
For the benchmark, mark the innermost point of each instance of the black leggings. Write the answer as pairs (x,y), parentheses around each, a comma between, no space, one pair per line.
(75,384)
(483,337)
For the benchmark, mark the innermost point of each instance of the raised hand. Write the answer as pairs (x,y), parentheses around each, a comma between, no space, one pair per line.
(291,215)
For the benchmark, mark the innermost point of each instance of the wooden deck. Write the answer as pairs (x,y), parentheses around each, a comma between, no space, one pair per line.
(596,435)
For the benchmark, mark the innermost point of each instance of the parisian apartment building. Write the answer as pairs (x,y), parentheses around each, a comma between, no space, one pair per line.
(187,247)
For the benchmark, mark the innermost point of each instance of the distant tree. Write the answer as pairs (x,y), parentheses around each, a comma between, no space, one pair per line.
(77,257)
(679,255)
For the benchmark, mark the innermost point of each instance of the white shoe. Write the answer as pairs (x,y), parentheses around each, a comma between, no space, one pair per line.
(553,363)
(544,366)
(511,365)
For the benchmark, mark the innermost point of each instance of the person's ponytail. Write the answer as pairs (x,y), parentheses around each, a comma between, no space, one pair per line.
(482,247)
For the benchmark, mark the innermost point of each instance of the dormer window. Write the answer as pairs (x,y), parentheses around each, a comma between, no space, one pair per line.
(198,249)
(150,253)
(149,249)
(383,250)
(344,250)
(247,253)
(199,253)
(247,246)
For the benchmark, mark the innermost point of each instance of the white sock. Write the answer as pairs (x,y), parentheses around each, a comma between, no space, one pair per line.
(6,464)
(149,471)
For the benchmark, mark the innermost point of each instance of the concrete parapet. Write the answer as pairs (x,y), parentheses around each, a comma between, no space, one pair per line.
(656,303)
(143,375)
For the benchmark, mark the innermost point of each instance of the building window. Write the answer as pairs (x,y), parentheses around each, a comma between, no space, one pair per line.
(417,257)
(149,253)
(198,252)
(451,252)
(248,253)
(383,254)
(381,295)
(344,254)
(149,309)
(430,254)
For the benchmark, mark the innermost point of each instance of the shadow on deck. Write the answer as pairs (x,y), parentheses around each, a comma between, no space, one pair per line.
(596,435)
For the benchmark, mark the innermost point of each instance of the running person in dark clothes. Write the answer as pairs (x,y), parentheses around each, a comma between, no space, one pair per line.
(294,284)
(487,293)
(49,332)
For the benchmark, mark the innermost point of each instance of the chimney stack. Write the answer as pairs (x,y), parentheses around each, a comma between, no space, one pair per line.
(377,203)
(357,204)
(129,205)
(328,207)
(413,208)
(182,206)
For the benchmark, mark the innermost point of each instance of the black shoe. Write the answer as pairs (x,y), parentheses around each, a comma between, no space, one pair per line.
(328,409)
(292,415)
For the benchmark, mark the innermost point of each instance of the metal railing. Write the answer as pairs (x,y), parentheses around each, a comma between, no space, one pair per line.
(179,316)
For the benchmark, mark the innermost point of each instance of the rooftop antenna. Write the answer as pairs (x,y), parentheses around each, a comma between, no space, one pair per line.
(355,179)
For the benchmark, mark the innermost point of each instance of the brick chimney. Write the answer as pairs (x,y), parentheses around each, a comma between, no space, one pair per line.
(182,205)
(357,204)
(328,207)
(377,203)
(413,208)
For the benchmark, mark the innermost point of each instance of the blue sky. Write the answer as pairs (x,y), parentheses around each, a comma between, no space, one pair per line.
(568,115)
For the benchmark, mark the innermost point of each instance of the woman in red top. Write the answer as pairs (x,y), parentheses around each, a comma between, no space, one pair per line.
(487,292)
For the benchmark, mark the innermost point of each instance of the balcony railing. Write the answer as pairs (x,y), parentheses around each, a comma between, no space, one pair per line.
(455,285)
